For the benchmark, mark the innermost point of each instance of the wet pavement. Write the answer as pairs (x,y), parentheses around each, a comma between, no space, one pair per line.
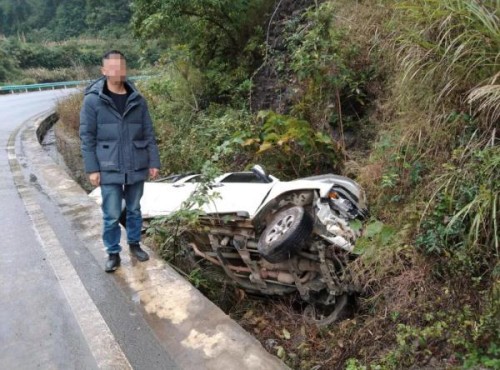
(59,310)
(36,326)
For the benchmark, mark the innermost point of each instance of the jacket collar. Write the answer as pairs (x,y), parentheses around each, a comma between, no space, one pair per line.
(97,87)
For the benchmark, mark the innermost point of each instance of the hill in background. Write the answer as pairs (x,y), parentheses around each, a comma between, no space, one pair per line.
(52,20)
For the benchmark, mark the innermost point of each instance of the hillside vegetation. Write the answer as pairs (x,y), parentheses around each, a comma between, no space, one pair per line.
(404,97)
(53,20)
(50,41)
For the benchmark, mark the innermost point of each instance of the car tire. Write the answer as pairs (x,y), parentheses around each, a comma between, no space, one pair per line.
(314,315)
(285,234)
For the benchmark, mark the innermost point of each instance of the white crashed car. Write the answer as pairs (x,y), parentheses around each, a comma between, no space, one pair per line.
(271,236)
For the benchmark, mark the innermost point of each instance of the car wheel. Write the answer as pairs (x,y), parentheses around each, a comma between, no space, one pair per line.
(285,235)
(322,317)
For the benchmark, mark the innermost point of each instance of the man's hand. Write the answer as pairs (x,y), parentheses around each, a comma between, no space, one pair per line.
(95,178)
(153,173)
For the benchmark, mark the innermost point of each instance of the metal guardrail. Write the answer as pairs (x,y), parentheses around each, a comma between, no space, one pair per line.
(53,85)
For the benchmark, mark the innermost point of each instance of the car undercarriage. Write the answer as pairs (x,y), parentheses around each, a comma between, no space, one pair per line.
(312,262)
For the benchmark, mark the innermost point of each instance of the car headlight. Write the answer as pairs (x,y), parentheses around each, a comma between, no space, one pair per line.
(340,203)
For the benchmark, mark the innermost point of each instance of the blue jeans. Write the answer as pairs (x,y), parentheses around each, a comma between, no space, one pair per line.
(112,196)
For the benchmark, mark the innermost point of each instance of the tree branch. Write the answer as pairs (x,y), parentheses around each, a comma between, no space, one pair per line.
(213,21)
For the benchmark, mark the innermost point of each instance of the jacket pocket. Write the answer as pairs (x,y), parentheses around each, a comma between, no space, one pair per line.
(141,155)
(107,155)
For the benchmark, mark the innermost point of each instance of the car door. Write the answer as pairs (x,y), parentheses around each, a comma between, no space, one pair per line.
(237,192)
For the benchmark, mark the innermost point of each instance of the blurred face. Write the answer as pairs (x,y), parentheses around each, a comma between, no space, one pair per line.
(114,68)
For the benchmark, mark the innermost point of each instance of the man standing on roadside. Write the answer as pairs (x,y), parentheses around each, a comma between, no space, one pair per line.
(119,152)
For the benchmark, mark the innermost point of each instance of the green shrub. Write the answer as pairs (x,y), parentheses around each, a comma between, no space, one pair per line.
(187,135)
(449,337)
(68,54)
(218,37)
(291,148)
(8,65)
(463,223)
(330,72)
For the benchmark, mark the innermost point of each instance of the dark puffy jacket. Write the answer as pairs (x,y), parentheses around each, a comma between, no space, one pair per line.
(122,149)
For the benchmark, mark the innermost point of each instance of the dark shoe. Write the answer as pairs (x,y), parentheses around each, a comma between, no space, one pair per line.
(113,262)
(136,250)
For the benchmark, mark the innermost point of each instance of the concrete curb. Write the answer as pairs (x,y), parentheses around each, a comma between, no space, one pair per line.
(193,330)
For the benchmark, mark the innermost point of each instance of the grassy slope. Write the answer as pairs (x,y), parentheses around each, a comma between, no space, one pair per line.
(429,271)
(431,294)
(429,162)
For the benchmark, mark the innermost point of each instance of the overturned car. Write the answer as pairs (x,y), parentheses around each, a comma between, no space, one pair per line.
(273,237)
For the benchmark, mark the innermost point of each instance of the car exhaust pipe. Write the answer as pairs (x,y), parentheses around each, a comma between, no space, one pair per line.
(216,261)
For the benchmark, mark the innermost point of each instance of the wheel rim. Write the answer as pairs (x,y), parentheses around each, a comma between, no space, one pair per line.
(312,317)
(280,228)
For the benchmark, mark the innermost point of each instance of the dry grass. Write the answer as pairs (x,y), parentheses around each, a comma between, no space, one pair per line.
(69,113)
(368,333)
(486,99)
(283,331)
(42,75)
(453,46)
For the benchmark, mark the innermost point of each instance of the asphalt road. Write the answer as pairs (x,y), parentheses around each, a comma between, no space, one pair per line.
(41,325)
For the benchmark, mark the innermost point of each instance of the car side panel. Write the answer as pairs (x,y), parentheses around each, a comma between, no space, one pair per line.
(237,197)
(160,199)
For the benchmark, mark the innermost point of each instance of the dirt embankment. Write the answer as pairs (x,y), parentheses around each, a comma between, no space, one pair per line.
(68,146)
